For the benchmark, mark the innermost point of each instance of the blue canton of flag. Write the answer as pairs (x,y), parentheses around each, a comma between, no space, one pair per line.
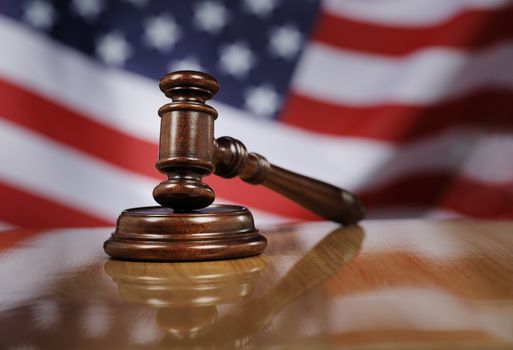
(252,46)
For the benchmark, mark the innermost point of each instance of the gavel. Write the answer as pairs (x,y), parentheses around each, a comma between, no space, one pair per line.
(187,226)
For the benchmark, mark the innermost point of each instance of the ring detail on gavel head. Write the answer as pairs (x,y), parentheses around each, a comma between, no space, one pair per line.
(232,159)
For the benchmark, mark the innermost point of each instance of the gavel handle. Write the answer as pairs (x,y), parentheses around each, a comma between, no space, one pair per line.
(328,201)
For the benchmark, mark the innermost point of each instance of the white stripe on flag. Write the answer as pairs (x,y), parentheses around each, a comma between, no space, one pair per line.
(427,76)
(474,153)
(406,12)
(67,176)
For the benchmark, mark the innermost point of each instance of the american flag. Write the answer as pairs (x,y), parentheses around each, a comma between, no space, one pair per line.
(407,103)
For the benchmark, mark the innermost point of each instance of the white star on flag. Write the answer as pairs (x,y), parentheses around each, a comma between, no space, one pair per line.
(210,16)
(262,100)
(40,14)
(113,49)
(285,41)
(161,32)
(261,8)
(236,59)
(88,9)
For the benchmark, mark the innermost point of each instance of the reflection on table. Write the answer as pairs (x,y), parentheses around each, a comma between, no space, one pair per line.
(387,284)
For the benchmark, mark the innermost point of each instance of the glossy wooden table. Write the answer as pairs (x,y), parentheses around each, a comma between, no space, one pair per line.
(384,285)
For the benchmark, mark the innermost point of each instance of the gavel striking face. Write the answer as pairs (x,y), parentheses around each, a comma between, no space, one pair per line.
(187,226)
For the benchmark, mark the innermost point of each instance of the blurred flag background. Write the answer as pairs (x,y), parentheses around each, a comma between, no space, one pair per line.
(409,103)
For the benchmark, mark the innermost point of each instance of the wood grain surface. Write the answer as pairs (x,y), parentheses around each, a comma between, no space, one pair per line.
(381,285)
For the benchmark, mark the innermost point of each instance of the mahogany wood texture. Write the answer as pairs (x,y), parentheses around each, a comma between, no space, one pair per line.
(409,284)
(328,201)
(162,234)
(185,228)
(188,151)
(186,148)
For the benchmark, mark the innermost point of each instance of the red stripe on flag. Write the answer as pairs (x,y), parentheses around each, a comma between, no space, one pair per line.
(466,196)
(76,130)
(13,238)
(468,30)
(491,109)
(25,209)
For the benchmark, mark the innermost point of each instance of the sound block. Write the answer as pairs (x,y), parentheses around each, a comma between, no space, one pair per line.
(164,234)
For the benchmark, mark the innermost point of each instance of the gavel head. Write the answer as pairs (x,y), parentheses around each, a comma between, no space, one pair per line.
(186,148)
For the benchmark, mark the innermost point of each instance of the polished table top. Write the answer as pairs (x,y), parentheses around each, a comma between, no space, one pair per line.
(384,285)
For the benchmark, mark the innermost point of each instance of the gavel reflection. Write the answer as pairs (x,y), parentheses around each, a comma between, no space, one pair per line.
(188,294)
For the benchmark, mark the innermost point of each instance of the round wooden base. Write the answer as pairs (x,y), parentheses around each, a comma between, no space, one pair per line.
(163,234)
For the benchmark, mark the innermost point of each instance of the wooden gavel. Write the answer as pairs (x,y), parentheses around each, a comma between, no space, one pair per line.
(188,151)
(188,226)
